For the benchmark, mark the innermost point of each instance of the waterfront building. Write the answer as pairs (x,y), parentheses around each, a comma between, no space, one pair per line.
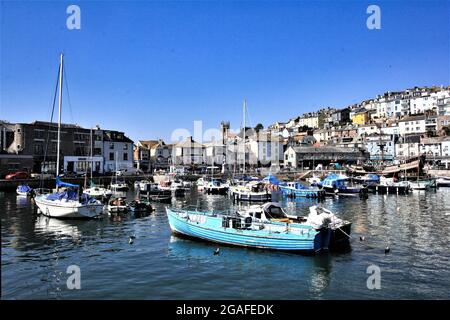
(215,153)
(407,147)
(188,152)
(309,156)
(141,154)
(115,148)
(381,147)
(38,141)
(265,149)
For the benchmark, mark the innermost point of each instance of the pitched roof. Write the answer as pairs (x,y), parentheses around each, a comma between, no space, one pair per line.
(148,143)
(188,143)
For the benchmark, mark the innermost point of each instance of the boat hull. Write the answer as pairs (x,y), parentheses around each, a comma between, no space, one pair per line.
(302,193)
(68,210)
(222,190)
(312,241)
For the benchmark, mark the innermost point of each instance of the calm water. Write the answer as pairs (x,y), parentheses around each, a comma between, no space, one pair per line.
(36,252)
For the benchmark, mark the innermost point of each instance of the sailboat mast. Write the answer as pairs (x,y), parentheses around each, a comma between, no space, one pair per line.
(92,164)
(59,113)
(244,107)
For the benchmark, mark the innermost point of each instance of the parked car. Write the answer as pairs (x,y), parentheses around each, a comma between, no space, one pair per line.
(17,175)
(42,175)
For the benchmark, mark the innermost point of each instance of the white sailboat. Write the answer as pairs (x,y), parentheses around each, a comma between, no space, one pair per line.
(94,190)
(68,203)
(118,185)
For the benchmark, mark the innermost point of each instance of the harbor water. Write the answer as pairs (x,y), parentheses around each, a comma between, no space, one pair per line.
(36,252)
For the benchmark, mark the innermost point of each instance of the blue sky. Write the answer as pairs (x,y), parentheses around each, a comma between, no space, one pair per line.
(148,68)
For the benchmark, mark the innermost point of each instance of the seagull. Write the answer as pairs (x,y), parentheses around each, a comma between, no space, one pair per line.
(387,250)
(217,251)
(362,238)
(130,241)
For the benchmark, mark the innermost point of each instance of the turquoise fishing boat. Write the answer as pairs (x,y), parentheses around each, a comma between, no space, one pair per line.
(265,227)
(296,189)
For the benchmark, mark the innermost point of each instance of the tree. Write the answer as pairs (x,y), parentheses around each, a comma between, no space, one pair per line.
(259,127)
(446,130)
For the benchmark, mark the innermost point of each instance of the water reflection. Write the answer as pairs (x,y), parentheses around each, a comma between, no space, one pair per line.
(36,249)
(57,228)
(313,270)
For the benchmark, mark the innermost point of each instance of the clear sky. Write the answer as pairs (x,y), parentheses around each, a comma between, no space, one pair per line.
(148,68)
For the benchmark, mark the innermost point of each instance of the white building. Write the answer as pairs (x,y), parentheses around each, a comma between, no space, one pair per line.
(392,130)
(116,148)
(412,124)
(367,129)
(407,147)
(265,149)
(380,146)
(422,103)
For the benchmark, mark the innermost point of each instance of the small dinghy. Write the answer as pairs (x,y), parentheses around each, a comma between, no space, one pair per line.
(160,198)
(117,205)
(24,190)
(138,206)
(216,186)
(253,191)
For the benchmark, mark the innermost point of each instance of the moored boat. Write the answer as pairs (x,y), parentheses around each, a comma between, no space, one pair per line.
(24,190)
(253,191)
(97,191)
(336,184)
(443,182)
(267,227)
(117,205)
(68,203)
(216,186)
(296,189)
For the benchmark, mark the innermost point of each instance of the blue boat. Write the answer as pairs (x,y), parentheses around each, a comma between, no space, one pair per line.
(24,190)
(337,184)
(296,189)
(368,179)
(264,227)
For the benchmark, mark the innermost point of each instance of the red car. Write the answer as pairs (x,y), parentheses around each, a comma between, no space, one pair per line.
(17,175)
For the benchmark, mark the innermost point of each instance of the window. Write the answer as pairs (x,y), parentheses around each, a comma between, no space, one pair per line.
(39,134)
(111,156)
(125,146)
(111,145)
(38,149)
(125,157)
